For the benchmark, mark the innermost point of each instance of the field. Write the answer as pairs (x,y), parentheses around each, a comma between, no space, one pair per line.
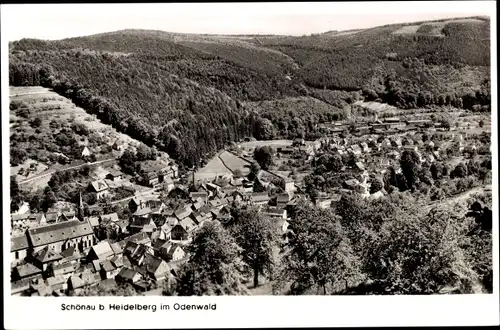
(47,104)
(234,163)
(213,168)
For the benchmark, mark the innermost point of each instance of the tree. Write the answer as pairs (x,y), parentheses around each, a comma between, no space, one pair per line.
(481,123)
(143,152)
(15,195)
(460,171)
(375,186)
(419,253)
(410,162)
(257,236)
(237,173)
(264,129)
(264,156)
(320,256)
(214,267)
(35,123)
(127,162)
(257,186)
(254,171)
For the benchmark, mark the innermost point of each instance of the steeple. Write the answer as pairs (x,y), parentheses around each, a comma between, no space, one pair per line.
(80,208)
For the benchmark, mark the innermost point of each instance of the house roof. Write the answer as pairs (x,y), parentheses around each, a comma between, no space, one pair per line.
(142,212)
(152,263)
(99,185)
(28,270)
(70,253)
(182,212)
(65,267)
(117,261)
(127,273)
(46,255)
(107,266)
(259,197)
(54,280)
(117,248)
(360,165)
(273,211)
(36,216)
(114,172)
(142,238)
(102,250)
(196,194)
(94,221)
(59,232)
(18,243)
(110,217)
(18,217)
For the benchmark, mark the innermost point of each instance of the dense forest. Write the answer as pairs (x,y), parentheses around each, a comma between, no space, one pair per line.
(158,87)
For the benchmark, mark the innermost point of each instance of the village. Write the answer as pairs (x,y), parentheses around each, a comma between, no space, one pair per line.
(72,247)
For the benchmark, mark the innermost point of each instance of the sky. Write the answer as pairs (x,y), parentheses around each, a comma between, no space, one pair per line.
(58,21)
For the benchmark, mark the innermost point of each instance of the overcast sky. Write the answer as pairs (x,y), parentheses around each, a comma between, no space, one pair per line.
(70,20)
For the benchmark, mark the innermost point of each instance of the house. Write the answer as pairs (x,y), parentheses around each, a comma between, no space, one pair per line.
(359,166)
(62,235)
(154,172)
(386,143)
(70,254)
(203,195)
(26,271)
(36,219)
(136,203)
(351,184)
(114,175)
(298,142)
(94,221)
(128,275)
(101,251)
(44,257)
(175,252)
(182,212)
(139,224)
(142,213)
(179,233)
(288,185)
(108,270)
(259,198)
(356,150)
(18,249)
(100,187)
(364,147)
(419,123)
(20,287)
(139,238)
(377,195)
(19,220)
(67,215)
(86,152)
(155,267)
(275,213)
(324,202)
(117,249)
(282,225)
(64,268)
(57,282)
(118,145)
(282,200)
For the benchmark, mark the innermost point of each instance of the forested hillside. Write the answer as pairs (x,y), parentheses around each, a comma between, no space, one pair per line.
(159,86)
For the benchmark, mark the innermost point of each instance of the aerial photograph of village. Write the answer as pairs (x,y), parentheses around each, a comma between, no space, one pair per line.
(347,162)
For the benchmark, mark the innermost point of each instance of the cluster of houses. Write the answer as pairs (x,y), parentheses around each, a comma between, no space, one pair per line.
(61,252)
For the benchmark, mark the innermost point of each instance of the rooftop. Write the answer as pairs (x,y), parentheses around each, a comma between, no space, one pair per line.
(59,232)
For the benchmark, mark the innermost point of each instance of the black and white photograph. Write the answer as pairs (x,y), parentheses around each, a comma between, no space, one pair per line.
(190,150)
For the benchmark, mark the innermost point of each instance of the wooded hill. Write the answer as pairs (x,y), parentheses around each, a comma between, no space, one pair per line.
(159,86)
